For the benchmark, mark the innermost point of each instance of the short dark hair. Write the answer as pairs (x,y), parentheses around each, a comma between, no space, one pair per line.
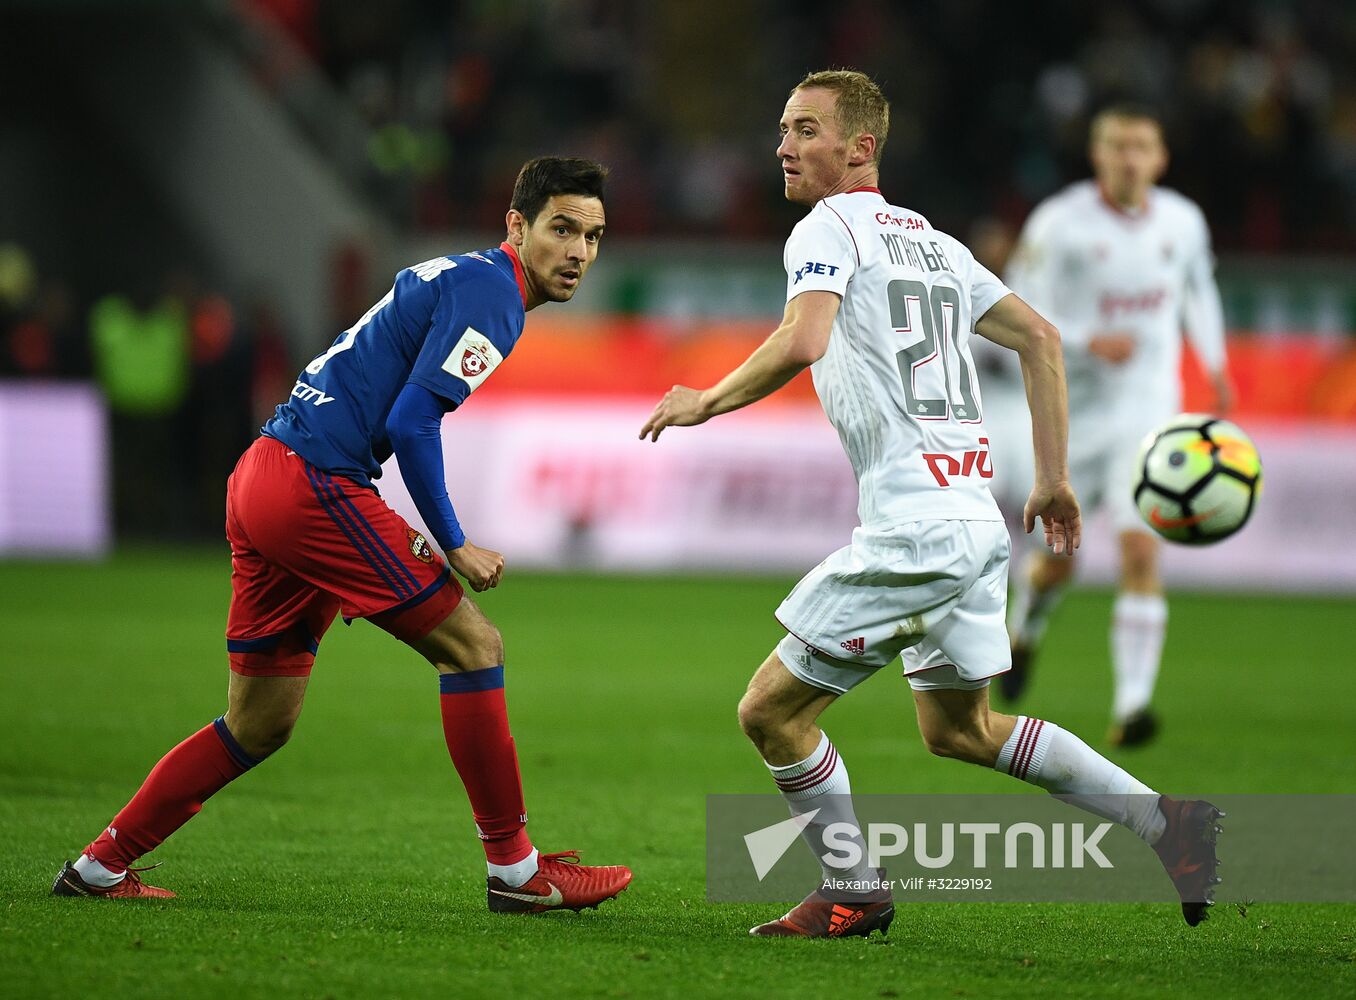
(1133,111)
(550,175)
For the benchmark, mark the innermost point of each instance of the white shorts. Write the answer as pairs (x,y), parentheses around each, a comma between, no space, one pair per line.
(1106,479)
(1007,422)
(933,591)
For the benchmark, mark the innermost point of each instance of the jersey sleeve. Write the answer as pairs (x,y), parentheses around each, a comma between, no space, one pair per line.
(1202,310)
(985,290)
(414,428)
(473,328)
(820,255)
(1033,272)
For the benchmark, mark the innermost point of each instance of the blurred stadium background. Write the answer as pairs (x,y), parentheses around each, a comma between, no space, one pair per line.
(199,196)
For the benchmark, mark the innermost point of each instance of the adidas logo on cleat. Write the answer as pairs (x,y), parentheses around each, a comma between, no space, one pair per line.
(855,646)
(842,918)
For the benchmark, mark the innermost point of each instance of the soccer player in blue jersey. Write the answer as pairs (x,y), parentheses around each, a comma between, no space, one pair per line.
(311,538)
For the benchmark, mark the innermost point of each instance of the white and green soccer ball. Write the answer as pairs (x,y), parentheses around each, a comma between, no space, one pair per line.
(1197,479)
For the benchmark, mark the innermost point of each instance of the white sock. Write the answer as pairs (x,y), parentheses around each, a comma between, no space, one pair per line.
(94,873)
(1058,761)
(1030,609)
(820,782)
(1138,625)
(517,873)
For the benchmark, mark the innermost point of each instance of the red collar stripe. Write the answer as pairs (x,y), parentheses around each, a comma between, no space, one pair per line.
(1130,214)
(517,269)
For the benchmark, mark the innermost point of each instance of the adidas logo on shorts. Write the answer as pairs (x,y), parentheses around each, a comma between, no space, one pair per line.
(855,646)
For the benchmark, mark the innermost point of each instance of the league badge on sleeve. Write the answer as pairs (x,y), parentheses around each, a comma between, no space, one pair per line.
(473,358)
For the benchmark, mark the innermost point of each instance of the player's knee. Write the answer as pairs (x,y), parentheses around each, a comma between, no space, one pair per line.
(757,719)
(1139,562)
(1052,572)
(261,736)
(474,648)
(490,645)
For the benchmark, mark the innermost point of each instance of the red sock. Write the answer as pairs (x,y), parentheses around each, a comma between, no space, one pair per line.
(475,725)
(171,795)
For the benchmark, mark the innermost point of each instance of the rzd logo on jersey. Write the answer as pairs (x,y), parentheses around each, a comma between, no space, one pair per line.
(944,466)
(419,547)
(476,360)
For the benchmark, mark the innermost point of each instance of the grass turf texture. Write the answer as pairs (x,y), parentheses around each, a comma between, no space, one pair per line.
(346,866)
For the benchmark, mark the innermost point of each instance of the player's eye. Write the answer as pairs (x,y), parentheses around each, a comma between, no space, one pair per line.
(562,230)
(593,237)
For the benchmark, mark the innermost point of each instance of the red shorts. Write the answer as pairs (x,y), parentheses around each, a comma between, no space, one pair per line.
(307,545)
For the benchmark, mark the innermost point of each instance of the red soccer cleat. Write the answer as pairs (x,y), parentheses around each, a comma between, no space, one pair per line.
(561,883)
(819,916)
(1187,850)
(69,883)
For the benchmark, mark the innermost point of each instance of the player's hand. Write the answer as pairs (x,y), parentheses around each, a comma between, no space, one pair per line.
(1224,393)
(1113,348)
(680,407)
(1057,507)
(481,568)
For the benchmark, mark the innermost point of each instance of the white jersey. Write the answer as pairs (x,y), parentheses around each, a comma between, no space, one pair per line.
(1091,268)
(898,382)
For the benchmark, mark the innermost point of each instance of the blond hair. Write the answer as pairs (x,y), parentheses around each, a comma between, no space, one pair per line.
(1125,111)
(861,108)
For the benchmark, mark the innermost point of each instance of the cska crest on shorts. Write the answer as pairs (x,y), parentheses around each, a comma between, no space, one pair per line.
(419,547)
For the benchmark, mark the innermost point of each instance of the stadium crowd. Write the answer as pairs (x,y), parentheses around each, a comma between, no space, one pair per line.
(990,103)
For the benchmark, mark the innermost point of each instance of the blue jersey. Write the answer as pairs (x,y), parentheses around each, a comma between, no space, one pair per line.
(445,325)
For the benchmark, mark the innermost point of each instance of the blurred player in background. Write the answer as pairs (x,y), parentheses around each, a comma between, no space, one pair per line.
(881,306)
(1119,266)
(311,538)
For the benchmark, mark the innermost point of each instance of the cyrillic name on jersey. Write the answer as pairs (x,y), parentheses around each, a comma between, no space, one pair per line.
(430,269)
(915,253)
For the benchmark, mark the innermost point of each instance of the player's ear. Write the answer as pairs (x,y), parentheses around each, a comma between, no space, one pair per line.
(863,150)
(515,223)
(1164,157)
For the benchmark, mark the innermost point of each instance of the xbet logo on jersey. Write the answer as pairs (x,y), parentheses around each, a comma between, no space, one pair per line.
(814,267)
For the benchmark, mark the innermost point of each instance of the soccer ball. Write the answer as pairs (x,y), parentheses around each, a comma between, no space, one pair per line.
(1197,479)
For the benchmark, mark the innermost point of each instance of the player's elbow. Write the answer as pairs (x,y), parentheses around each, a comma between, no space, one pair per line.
(800,347)
(803,352)
(1042,335)
(1040,340)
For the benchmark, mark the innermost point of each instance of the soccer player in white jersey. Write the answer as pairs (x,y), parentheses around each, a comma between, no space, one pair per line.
(1119,266)
(881,307)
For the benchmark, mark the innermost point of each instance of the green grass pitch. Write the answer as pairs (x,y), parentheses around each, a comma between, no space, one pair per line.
(346,866)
